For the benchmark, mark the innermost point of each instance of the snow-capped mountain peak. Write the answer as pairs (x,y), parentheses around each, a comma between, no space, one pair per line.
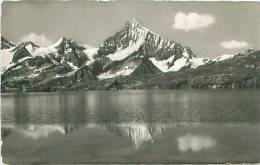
(68,51)
(28,45)
(224,57)
(62,42)
(134,21)
(230,56)
(136,41)
(136,30)
(57,43)
(133,50)
(134,24)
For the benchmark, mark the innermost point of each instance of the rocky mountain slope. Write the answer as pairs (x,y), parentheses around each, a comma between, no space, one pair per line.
(242,70)
(62,62)
(135,57)
(136,41)
(5,44)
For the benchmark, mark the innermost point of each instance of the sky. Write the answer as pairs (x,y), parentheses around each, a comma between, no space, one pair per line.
(210,29)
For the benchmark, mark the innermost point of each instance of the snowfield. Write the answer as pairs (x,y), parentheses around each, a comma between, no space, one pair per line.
(90,52)
(126,70)
(122,54)
(6,58)
(163,64)
(224,57)
(196,62)
(133,36)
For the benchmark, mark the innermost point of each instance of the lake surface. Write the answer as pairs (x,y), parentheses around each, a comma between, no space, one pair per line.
(135,126)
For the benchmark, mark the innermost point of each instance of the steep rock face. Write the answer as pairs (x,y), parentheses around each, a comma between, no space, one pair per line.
(135,40)
(162,49)
(135,57)
(133,48)
(145,66)
(5,44)
(132,34)
(135,35)
(133,65)
(119,68)
(59,64)
(240,71)
(23,50)
(83,74)
(69,51)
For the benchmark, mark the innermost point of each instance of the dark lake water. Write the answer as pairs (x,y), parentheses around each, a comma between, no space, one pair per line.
(135,126)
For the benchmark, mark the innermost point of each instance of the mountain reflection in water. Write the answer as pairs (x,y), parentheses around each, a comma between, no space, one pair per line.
(187,126)
(155,142)
(137,133)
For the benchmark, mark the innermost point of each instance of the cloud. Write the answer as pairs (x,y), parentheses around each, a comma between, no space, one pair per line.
(233,44)
(88,46)
(195,143)
(192,21)
(41,39)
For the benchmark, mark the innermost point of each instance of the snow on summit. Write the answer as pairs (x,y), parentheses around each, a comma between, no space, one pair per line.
(136,35)
(132,50)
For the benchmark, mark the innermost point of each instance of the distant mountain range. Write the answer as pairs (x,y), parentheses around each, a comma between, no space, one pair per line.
(133,58)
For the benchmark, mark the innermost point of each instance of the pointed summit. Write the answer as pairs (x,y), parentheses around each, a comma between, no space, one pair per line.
(134,21)
(136,39)
(135,31)
(134,24)
(28,45)
(69,51)
(59,42)
(25,49)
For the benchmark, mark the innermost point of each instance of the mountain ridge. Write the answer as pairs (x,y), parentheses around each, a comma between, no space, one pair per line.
(133,53)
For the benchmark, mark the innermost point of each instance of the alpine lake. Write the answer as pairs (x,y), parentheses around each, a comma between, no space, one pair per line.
(131,126)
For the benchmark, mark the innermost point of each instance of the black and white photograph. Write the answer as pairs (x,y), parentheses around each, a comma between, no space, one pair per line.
(130,82)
